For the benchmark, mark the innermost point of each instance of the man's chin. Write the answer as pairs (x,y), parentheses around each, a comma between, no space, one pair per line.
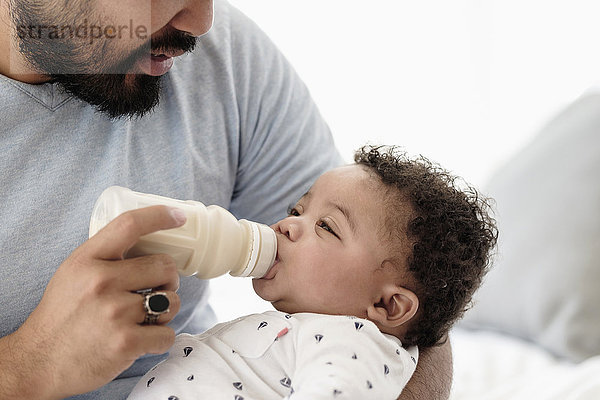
(115,95)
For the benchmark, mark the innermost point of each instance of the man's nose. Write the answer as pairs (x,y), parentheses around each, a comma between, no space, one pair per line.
(195,18)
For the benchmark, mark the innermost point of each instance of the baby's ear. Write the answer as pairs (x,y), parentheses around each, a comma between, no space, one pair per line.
(397,306)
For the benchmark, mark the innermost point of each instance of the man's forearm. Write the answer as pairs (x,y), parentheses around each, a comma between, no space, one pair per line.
(432,379)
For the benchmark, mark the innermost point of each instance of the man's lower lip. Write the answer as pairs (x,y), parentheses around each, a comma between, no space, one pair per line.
(155,65)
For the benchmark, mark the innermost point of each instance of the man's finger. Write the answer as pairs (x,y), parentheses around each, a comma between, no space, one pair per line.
(152,271)
(157,339)
(113,241)
(131,308)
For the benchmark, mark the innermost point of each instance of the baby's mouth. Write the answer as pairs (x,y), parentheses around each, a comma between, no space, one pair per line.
(272,271)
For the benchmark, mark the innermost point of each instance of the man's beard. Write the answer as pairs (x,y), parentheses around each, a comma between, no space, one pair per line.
(88,71)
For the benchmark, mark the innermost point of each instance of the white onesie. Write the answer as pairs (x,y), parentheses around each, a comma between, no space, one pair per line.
(274,355)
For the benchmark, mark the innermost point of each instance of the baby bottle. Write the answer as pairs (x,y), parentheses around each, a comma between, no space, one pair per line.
(212,241)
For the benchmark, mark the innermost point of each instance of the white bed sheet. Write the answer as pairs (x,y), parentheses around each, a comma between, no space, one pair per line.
(492,366)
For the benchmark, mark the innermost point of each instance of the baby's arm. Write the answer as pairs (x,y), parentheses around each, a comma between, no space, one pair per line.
(344,358)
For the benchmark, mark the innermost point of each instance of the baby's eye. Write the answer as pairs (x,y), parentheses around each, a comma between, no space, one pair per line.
(292,211)
(324,225)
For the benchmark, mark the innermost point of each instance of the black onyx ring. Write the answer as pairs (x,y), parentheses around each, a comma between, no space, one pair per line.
(155,303)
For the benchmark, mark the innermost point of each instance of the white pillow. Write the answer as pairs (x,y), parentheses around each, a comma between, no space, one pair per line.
(545,282)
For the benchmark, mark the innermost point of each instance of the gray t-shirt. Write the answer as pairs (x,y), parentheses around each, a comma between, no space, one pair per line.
(235,127)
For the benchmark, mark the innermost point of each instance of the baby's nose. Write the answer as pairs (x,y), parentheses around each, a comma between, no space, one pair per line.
(290,227)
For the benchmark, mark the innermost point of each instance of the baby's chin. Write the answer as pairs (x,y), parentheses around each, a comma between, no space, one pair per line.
(284,308)
(259,288)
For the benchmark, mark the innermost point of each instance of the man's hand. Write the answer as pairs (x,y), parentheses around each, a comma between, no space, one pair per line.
(87,327)
(432,379)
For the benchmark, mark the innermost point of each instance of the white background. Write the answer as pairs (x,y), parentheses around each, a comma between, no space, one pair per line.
(464,82)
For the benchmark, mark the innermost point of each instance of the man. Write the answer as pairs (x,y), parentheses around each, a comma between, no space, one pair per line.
(101,93)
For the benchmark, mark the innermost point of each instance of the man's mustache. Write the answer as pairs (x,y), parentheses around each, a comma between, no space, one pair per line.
(171,40)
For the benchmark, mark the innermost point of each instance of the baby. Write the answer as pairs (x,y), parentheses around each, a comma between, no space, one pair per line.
(376,259)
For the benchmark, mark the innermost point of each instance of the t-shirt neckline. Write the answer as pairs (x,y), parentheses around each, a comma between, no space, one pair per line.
(49,94)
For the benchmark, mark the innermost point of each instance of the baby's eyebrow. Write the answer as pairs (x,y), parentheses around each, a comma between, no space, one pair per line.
(347,214)
(306,197)
(342,208)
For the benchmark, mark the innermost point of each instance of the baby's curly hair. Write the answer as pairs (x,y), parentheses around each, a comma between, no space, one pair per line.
(451,232)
